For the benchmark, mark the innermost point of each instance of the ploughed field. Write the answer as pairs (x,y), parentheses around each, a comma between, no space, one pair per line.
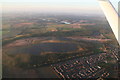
(44,47)
(41,46)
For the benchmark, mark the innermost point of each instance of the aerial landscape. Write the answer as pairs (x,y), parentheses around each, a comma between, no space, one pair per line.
(63,43)
(58,45)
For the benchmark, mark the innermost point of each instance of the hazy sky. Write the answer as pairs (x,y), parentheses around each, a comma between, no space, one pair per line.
(76,6)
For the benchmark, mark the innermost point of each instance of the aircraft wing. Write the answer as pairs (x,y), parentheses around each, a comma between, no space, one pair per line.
(111,15)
